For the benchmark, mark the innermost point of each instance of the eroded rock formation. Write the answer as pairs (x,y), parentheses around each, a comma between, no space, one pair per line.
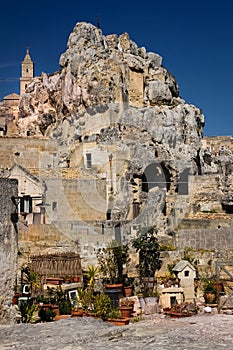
(118,96)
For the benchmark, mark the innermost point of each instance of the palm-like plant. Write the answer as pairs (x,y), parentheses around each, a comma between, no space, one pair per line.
(31,278)
(28,311)
(91,273)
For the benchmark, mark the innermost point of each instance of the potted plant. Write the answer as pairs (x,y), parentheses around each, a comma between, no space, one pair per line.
(126,307)
(86,299)
(41,299)
(31,279)
(102,306)
(56,299)
(64,307)
(209,291)
(147,246)
(91,275)
(46,314)
(28,311)
(115,318)
(128,287)
(76,279)
(218,284)
(76,311)
(111,261)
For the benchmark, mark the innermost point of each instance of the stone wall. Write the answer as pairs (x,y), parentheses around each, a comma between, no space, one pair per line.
(8,248)
(25,151)
(212,234)
(218,143)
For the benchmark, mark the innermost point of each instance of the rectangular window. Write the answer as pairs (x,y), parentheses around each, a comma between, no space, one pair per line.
(54,206)
(26,204)
(88,160)
(136,210)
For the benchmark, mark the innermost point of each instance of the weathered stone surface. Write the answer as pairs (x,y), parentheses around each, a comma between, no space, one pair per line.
(95,70)
(111,95)
(8,248)
(217,156)
(191,333)
(112,98)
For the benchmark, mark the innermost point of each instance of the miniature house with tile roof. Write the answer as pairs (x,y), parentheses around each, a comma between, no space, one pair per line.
(186,274)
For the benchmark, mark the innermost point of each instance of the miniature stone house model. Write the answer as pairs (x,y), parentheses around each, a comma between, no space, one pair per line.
(186,273)
(171,296)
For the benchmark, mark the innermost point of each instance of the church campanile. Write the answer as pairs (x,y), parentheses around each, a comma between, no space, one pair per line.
(27,73)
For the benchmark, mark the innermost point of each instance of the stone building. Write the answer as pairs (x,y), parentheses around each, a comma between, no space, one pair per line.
(9,106)
(9,109)
(27,72)
(107,145)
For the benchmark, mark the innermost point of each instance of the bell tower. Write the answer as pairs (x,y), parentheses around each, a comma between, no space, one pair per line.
(27,72)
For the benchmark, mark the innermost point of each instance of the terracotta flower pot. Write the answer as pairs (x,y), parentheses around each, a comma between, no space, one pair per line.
(210,298)
(118,321)
(54,280)
(15,299)
(61,317)
(117,286)
(219,286)
(76,313)
(126,311)
(128,291)
(68,280)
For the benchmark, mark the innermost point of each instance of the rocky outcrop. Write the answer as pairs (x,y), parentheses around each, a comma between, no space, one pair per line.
(118,96)
(97,70)
(217,156)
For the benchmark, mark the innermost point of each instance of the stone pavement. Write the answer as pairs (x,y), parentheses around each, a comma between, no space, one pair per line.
(212,332)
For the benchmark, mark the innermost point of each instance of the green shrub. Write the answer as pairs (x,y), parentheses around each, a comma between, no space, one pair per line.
(146,244)
(64,307)
(114,313)
(47,315)
(27,310)
(102,305)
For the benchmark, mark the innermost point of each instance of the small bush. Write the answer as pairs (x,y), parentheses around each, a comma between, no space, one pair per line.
(46,315)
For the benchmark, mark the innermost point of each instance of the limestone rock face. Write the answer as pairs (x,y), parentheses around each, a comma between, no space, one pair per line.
(217,160)
(96,70)
(112,94)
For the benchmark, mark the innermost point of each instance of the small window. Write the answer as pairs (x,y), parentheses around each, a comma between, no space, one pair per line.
(173,301)
(26,204)
(136,209)
(186,273)
(88,160)
(108,214)
(54,206)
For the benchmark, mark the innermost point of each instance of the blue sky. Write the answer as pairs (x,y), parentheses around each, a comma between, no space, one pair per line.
(195,39)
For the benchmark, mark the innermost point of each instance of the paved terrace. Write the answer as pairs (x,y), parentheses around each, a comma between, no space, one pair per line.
(212,332)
